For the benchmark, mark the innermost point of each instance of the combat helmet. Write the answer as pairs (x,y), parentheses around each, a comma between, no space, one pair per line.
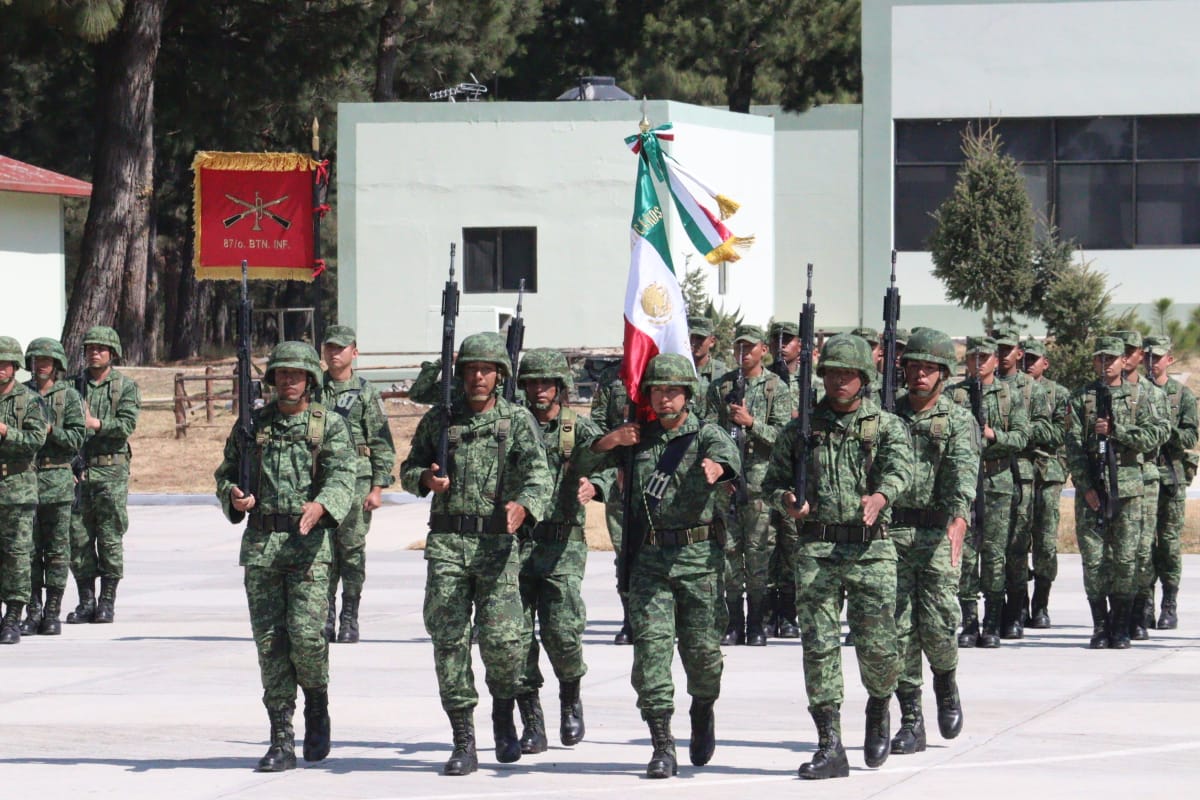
(104,335)
(46,347)
(545,364)
(10,350)
(486,347)
(671,369)
(933,346)
(293,355)
(847,351)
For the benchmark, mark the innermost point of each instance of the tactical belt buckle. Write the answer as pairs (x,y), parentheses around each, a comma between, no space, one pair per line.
(656,485)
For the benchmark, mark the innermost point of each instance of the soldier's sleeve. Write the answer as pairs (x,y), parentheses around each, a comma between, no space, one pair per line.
(781,414)
(587,432)
(422,454)
(119,427)
(959,468)
(600,401)
(1186,428)
(713,404)
(1149,428)
(23,444)
(226,476)
(1042,427)
(1016,438)
(379,437)
(536,486)
(780,477)
(425,387)
(1078,463)
(69,431)
(337,469)
(893,458)
(719,447)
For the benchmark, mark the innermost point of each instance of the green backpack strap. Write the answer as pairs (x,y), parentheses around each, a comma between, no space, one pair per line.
(868,432)
(566,433)
(315,433)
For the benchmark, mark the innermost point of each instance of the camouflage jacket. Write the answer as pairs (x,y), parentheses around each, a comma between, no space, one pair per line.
(116,402)
(505,431)
(689,500)
(1029,391)
(945,457)
(1143,391)
(1184,430)
(1049,430)
(22,411)
(714,369)
(609,402)
(1009,418)
(64,412)
(285,477)
(564,507)
(1135,431)
(768,401)
(360,404)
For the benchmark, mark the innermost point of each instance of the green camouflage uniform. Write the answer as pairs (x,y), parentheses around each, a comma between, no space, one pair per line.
(1174,469)
(1049,474)
(608,412)
(1016,559)
(22,411)
(1144,391)
(56,486)
(711,371)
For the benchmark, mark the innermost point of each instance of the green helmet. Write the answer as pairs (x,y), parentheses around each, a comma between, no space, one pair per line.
(671,369)
(102,334)
(293,355)
(847,351)
(46,348)
(486,347)
(932,346)
(10,350)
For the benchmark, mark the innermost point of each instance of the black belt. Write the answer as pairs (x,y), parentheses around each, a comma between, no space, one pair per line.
(107,460)
(275,523)
(919,518)
(51,462)
(679,538)
(995,465)
(466,523)
(555,532)
(14,467)
(843,534)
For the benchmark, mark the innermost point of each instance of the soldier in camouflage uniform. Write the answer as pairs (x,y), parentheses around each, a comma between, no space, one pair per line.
(871,337)
(785,348)
(22,431)
(554,553)
(859,462)
(1005,433)
(675,583)
(1108,546)
(1176,469)
(111,404)
(497,478)
(1047,433)
(708,367)
(753,404)
(360,404)
(302,486)
(929,523)
(47,363)
(610,405)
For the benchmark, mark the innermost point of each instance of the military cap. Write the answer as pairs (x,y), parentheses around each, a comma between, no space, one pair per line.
(341,335)
(1034,347)
(902,337)
(749,333)
(1130,338)
(700,326)
(10,350)
(1157,345)
(47,348)
(103,335)
(870,334)
(847,351)
(486,347)
(1007,336)
(293,355)
(784,329)
(980,344)
(1108,346)
(671,369)
(933,346)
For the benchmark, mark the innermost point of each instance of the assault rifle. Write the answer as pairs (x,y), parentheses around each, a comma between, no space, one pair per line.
(804,375)
(979,506)
(740,438)
(632,534)
(514,344)
(1106,461)
(247,391)
(891,316)
(79,462)
(778,365)
(449,316)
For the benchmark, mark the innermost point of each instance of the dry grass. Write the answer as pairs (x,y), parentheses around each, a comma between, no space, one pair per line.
(1189,539)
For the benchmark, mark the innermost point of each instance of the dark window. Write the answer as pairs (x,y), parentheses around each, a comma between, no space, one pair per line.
(1168,137)
(1095,204)
(1026,139)
(496,259)
(929,141)
(1095,139)
(919,191)
(1168,203)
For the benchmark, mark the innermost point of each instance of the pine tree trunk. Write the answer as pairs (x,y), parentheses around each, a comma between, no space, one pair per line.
(387,52)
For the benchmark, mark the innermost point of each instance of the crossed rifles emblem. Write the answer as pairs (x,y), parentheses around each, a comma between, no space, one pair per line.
(259,209)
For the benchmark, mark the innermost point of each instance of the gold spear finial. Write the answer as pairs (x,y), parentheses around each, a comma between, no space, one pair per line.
(644,125)
(316,140)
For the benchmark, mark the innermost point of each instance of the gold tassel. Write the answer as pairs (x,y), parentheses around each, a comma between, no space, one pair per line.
(727,206)
(253,273)
(728,250)
(254,162)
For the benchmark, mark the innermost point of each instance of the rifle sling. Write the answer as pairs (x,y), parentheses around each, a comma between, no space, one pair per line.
(668,462)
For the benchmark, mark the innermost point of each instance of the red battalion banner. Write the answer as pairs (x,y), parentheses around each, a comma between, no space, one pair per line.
(257,207)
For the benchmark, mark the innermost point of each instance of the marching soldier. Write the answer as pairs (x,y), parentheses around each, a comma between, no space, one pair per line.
(497,478)
(610,406)
(302,486)
(708,367)
(785,348)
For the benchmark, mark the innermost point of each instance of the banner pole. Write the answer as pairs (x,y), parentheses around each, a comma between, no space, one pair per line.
(318,313)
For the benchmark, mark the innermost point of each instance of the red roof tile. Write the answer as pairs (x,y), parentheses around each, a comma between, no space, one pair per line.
(17,176)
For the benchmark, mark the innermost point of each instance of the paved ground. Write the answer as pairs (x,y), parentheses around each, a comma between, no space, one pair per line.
(165,703)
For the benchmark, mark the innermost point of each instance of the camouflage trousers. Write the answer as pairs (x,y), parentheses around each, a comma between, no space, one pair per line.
(927,609)
(1168,560)
(871,608)
(50,564)
(1044,530)
(287,614)
(551,596)
(749,543)
(1109,553)
(480,572)
(16,544)
(1020,538)
(676,592)
(983,569)
(782,571)
(350,546)
(97,538)
(1144,558)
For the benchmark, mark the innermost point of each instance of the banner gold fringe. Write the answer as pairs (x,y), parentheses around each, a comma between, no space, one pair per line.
(254,273)
(728,250)
(728,207)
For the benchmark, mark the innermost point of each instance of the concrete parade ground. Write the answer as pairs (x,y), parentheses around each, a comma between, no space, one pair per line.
(165,703)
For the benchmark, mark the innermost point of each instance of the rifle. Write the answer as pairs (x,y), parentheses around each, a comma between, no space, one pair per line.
(449,316)
(514,344)
(979,506)
(630,540)
(247,392)
(1106,462)
(891,315)
(79,463)
(778,365)
(736,432)
(808,315)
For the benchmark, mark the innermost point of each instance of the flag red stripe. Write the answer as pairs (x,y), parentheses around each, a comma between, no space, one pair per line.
(639,349)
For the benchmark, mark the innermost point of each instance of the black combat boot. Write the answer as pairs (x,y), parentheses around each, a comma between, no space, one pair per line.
(788,629)
(33,614)
(10,628)
(911,736)
(625,635)
(86,609)
(970,623)
(735,631)
(281,754)
(950,713)
(316,723)
(879,723)
(830,759)
(504,729)
(570,725)
(1040,617)
(1015,604)
(464,760)
(107,604)
(662,762)
(1168,620)
(1099,640)
(348,622)
(533,734)
(1118,622)
(755,635)
(50,626)
(1137,619)
(989,633)
(704,732)
(330,629)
